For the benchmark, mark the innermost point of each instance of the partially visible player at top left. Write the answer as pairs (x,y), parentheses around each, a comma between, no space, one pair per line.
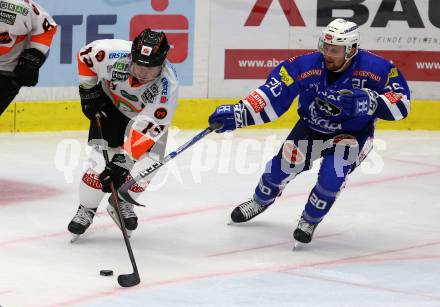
(26,33)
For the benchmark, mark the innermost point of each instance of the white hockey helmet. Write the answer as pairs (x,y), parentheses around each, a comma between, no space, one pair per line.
(341,32)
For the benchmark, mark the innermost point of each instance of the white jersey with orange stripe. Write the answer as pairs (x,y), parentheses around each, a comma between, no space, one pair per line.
(23,24)
(151,105)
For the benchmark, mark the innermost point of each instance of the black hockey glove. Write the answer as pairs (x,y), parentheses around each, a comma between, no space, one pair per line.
(29,63)
(94,100)
(116,172)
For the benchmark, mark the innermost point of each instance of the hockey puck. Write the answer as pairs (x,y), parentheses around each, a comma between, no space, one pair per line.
(106,272)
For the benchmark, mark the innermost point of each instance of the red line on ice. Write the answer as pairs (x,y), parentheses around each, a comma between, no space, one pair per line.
(363,285)
(95,228)
(208,209)
(412,162)
(14,192)
(284,268)
(266,246)
(375,181)
(280,269)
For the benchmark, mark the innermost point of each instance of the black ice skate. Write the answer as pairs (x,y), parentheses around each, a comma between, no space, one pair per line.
(304,231)
(247,211)
(127,212)
(81,221)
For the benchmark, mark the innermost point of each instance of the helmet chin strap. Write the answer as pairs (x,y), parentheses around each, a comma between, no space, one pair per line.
(344,66)
(346,63)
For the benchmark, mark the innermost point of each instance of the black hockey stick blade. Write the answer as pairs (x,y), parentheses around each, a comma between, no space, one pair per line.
(129,280)
(126,197)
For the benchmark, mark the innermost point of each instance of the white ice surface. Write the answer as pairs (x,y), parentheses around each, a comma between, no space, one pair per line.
(378,246)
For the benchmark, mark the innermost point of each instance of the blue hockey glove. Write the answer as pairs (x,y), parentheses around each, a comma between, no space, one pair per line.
(358,102)
(230,116)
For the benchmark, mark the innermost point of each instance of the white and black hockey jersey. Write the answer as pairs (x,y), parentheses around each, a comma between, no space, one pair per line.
(150,105)
(23,24)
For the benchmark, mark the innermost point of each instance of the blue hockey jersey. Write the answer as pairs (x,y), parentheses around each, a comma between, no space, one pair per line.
(306,75)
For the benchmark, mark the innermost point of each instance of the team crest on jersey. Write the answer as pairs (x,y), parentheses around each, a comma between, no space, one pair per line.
(5,38)
(286,78)
(100,56)
(327,107)
(161,113)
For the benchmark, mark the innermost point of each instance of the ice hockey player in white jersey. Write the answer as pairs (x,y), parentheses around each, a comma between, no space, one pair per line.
(26,33)
(134,89)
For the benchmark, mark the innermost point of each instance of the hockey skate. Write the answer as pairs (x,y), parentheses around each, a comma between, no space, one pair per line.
(127,212)
(80,222)
(303,232)
(246,211)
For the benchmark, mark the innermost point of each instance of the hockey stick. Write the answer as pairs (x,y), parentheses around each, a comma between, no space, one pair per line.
(11,75)
(124,280)
(8,74)
(123,190)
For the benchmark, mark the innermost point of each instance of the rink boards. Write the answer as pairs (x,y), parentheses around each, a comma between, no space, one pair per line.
(191,114)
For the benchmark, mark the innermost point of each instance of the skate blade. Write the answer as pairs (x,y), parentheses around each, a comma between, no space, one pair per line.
(296,245)
(74,238)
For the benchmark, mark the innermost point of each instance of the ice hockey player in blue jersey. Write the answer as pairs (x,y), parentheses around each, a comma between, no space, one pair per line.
(342,91)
